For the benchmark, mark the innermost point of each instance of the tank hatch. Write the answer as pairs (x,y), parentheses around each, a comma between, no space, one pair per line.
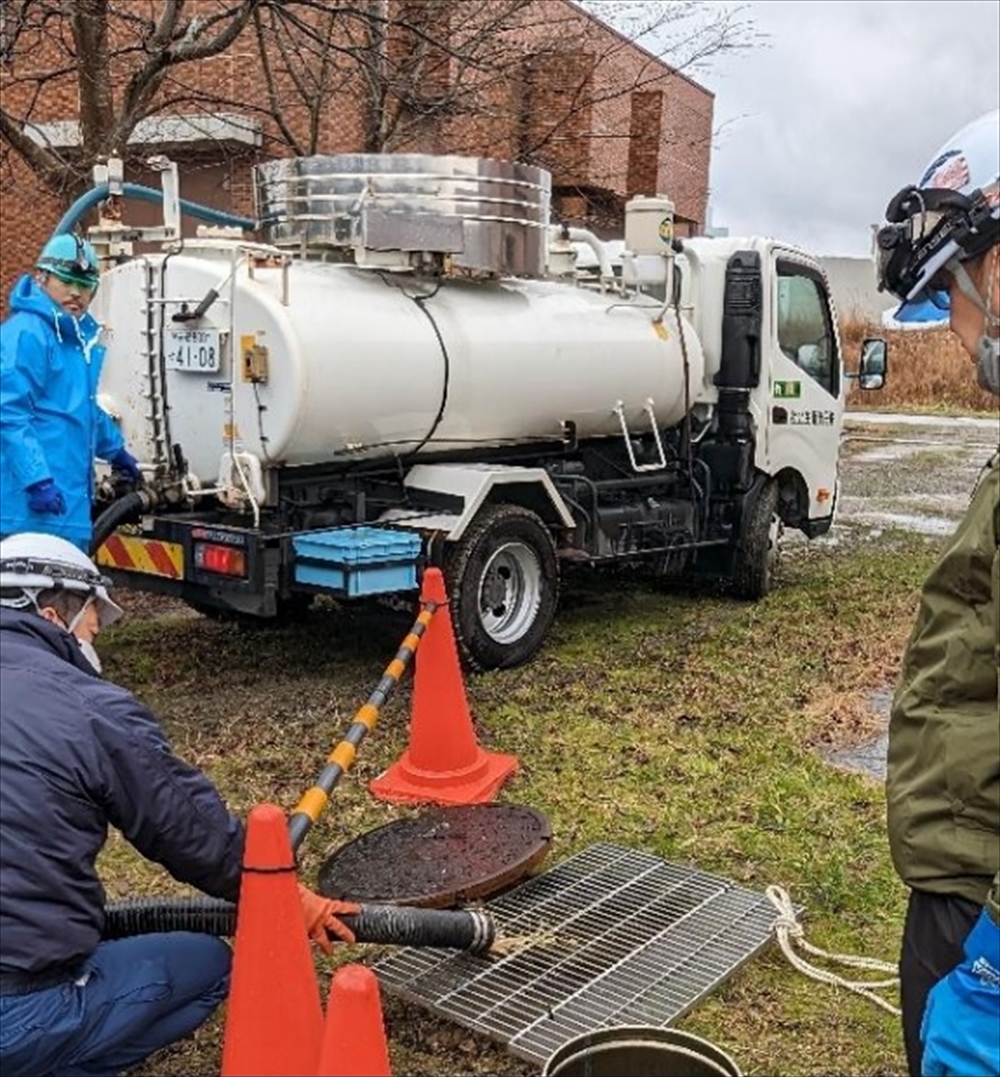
(407,211)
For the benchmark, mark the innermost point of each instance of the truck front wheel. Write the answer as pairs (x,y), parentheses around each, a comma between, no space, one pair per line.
(755,562)
(503,585)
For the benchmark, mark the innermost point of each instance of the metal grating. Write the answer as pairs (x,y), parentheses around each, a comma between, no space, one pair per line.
(621,938)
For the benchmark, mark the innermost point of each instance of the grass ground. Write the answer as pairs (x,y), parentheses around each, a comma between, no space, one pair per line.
(684,724)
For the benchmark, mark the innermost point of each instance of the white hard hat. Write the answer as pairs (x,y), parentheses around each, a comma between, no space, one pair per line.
(31,563)
(951,215)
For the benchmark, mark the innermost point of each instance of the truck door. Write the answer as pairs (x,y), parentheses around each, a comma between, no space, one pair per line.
(806,406)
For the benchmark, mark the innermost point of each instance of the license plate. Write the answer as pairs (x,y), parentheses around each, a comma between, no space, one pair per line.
(197,350)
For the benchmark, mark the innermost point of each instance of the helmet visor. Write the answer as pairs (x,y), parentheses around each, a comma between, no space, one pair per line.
(108,611)
(72,273)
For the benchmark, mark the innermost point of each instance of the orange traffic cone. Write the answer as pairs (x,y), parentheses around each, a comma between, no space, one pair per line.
(274,1020)
(443,764)
(354,1036)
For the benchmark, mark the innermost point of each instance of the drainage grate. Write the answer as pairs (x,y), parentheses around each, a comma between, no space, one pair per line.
(613,936)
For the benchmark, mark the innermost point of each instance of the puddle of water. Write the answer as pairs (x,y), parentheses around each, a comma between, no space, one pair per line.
(918,523)
(883,453)
(868,758)
(901,419)
(956,503)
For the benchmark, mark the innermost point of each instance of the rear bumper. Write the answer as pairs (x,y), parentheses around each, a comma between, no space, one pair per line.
(161,559)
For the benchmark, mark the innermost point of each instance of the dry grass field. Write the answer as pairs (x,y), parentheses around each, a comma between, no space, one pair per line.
(928,371)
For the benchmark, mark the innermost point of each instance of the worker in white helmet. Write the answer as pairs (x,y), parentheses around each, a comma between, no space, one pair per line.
(941,243)
(77,755)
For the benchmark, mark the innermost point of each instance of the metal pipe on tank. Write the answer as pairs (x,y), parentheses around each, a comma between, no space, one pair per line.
(583,235)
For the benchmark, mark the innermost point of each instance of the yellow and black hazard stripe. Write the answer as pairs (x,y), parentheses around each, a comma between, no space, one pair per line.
(151,556)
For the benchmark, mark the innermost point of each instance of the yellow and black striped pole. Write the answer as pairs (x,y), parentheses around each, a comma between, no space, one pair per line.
(341,759)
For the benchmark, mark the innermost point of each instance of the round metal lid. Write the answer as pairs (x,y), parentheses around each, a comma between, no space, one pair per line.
(439,857)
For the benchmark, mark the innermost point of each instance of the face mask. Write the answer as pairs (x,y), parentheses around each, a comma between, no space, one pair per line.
(86,647)
(88,652)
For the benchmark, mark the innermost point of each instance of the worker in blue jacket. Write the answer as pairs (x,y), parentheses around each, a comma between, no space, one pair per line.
(77,755)
(51,426)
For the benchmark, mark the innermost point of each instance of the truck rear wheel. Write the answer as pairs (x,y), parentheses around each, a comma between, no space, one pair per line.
(503,585)
(755,563)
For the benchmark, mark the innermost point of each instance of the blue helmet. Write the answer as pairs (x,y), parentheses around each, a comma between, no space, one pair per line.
(70,258)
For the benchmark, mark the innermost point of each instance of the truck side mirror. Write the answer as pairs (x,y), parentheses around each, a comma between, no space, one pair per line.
(874,363)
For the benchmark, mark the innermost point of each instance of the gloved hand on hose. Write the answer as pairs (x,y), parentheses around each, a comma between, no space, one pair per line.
(961,1027)
(126,465)
(45,496)
(320,916)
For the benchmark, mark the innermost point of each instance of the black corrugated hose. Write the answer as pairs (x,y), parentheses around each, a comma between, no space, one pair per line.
(123,511)
(396,925)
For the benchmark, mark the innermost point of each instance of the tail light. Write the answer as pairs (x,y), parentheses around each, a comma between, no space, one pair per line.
(225,560)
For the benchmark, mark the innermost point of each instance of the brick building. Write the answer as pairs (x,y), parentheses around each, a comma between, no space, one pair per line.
(552,86)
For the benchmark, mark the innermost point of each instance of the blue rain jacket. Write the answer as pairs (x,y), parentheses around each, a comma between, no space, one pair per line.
(961,1026)
(78,754)
(51,426)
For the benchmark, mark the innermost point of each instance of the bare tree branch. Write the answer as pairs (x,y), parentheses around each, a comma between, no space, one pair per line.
(521,78)
(274,101)
(49,169)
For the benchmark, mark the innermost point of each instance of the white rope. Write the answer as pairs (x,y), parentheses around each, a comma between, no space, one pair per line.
(789,933)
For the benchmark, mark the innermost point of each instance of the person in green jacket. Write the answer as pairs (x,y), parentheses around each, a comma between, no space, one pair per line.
(943,787)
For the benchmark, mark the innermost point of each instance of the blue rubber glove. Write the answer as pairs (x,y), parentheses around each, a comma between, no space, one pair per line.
(45,496)
(125,463)
(961,1026)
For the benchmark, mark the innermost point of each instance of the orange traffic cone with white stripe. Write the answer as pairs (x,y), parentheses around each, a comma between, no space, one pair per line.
(443,764)
(274,1019)
(354,1036)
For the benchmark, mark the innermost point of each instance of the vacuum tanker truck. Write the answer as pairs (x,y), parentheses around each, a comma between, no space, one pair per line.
(405,367)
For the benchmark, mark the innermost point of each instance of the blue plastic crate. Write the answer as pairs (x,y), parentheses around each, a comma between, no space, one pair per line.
(357,561)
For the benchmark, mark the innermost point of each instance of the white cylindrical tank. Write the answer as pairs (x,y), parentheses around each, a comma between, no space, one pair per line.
(356,366)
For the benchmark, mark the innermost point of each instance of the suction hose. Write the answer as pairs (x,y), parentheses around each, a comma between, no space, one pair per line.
(397,925)
(147,194)
(123,511)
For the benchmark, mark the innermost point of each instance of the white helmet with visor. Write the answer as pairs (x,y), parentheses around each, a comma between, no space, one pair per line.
(32,563)
(950,216)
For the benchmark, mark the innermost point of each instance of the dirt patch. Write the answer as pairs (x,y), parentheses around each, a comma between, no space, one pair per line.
(142,606)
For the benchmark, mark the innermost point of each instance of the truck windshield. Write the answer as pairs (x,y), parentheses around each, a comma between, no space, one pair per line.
(805,332)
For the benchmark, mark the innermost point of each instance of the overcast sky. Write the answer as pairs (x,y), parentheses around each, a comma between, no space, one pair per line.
(846,103)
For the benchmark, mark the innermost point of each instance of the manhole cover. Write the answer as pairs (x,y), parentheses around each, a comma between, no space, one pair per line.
(440,857)
(612,936)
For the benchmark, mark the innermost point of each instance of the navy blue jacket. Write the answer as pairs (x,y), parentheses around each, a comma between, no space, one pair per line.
(77,754)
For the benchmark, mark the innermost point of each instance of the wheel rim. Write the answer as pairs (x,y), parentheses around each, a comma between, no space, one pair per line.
(510,592)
